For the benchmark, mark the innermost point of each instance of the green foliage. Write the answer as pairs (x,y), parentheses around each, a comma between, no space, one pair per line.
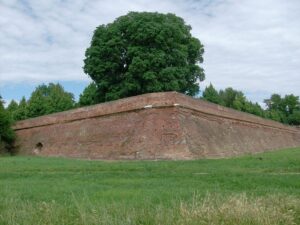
(211,94)
(22,111)
(233,99)
(12,106)
(18,111)
(254,108)
(144,52)
(45,99)
(284,109)
(12,109)
(291,104)
(294,118)
(7,135)
(274,103)
(274,115)
(237,100)
(48,99)
(52,98)
(89,95)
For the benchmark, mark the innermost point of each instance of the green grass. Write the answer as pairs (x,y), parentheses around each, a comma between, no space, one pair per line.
(253,189)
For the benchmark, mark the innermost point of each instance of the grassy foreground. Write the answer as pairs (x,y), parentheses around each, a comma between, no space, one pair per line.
(258,189)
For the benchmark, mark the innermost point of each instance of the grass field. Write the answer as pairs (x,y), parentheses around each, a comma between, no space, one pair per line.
(255,189)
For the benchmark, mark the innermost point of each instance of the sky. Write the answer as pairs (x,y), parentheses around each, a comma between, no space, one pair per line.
(250,45)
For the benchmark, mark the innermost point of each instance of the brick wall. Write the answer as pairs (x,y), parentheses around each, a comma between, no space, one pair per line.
(165,125)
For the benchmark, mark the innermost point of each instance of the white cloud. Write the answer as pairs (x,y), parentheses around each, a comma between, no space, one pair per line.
(251,45)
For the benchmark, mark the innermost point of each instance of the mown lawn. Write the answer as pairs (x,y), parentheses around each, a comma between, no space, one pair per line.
(253,189)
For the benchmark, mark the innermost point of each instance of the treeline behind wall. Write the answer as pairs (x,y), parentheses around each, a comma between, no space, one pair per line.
(51,98)
(284,109)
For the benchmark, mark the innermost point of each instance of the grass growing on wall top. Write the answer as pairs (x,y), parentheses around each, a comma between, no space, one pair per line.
(256,189)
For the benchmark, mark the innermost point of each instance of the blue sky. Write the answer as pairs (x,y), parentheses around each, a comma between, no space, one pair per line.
(250,45)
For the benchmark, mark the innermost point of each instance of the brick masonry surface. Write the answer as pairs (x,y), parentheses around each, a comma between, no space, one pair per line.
(165,125)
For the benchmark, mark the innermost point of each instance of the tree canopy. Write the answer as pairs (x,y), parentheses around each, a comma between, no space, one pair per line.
(7,135)
(233,99)
(45,99)
(89,95)
(211,94)
(12,109)
(144,52)
(22,110)
(282,109)
(48,99)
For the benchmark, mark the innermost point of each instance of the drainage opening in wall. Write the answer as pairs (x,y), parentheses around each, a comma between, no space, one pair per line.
(38,148)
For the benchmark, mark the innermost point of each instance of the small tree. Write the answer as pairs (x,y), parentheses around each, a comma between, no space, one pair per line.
(12,109)
(48,99)
(286,108)
(22,111)
(7,135)
(144,52)
(274,103)
(211,94)
(254,108)
(290,104)
(232,98)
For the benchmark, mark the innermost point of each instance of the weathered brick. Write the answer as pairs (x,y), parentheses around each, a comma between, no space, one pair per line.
(165,125)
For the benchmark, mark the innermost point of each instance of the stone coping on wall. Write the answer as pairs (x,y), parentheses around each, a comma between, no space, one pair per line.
(148,101)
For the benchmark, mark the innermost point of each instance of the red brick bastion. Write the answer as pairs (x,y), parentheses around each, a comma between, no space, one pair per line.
(165,125)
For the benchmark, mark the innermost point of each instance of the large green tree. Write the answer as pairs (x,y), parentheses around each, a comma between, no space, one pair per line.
(144,52)
(48,99)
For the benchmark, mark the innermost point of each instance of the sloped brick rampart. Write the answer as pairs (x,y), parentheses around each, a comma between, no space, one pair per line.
(165,125)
